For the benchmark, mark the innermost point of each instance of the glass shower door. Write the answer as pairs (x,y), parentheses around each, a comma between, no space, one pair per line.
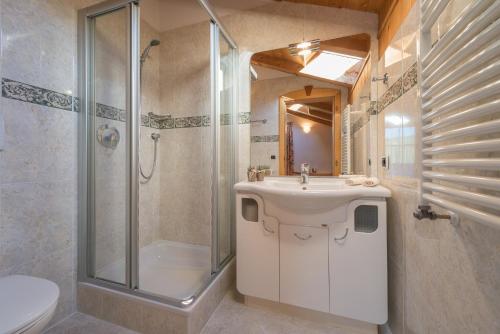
(110,64)
(228,119)
(108,106)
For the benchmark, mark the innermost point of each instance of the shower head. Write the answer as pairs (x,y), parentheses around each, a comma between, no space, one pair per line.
(154,42)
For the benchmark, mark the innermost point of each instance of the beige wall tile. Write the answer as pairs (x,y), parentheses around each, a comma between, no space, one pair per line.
(441,278)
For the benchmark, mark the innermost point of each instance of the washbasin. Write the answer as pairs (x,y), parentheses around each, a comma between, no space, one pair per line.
(293,184)
(319,195)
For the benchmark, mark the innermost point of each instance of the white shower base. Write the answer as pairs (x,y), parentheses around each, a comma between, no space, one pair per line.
(167,268)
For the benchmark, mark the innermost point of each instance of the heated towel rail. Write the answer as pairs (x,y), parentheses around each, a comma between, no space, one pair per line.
(460,89)
(345,139)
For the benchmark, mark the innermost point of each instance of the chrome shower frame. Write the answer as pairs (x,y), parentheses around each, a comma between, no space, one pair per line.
(86,219)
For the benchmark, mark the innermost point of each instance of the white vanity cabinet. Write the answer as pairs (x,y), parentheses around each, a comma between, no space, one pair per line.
(257,246)
(323,250)
(304,277)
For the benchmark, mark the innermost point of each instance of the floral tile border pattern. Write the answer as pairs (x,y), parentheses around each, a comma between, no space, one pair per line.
(244,118)
(265,139)
(16,90)
(410,78)
(400,87)
(356,126)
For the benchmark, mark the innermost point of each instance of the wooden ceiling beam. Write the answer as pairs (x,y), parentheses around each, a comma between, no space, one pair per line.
(372,6)
(322,105)
(309,117)
(354,45)
(320,113)
(307,100)
(265,59)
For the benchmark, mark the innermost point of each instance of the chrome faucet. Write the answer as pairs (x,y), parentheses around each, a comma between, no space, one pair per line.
(304,173)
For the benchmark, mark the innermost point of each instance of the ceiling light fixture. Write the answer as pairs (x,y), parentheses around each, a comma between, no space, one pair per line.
(304,48)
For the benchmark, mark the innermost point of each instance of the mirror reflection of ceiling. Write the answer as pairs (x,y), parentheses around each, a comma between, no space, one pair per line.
(337,61)
(318,110)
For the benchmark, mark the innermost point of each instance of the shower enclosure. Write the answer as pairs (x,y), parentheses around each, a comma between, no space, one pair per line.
(158,131)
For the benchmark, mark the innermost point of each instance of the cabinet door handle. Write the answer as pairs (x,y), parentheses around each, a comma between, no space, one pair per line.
(268,230)
(301,237)
(342,237)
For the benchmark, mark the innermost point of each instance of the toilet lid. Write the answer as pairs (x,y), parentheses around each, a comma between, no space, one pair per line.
(23,300)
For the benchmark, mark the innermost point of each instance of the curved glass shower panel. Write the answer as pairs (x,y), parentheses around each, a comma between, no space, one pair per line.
(108,140)
(175,222)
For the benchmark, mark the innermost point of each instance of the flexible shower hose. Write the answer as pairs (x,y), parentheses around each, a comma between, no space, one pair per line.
(150,175)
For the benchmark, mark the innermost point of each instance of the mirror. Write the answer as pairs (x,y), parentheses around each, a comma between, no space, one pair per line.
(311,103)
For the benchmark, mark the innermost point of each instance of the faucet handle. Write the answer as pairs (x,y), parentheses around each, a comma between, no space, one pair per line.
(304,167)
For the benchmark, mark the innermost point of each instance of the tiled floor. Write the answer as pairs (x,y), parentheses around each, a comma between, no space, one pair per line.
(230,317)
(233,317)
(80,323)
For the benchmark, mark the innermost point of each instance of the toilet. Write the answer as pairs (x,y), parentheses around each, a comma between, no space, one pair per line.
(26,304)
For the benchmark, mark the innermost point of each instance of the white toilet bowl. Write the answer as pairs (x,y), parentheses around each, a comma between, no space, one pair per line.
(26,304)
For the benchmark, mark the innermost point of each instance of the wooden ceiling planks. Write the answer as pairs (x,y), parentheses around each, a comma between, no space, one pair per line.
(372,6)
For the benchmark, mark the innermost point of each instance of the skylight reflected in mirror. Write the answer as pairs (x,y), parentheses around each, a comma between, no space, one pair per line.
(334,66)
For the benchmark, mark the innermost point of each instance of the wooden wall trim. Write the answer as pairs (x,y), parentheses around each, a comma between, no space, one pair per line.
(364,76)
(391,21)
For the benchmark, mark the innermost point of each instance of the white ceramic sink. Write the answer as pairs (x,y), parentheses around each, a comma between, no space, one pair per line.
(319,195)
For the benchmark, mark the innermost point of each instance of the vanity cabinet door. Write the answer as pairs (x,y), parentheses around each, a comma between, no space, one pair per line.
(257,250)
(304,278)
(358,267)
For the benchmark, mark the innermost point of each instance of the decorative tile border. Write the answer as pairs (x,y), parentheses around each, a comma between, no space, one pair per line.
(244,118)
(192,121)
(108,112)
(161,124)
(356,126)
(265,139)
(410,78)
(28,93)
(362,121)
(400,87)
(16,90)
(372,109)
